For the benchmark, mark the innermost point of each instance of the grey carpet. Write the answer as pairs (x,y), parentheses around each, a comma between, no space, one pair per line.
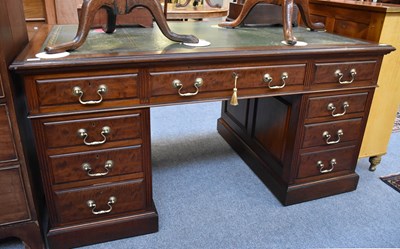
(207,197)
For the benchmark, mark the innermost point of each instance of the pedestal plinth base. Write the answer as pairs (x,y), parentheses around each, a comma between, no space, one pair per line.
(102,231)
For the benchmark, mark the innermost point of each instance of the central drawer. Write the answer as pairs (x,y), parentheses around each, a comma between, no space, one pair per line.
(108,199)
(219,82)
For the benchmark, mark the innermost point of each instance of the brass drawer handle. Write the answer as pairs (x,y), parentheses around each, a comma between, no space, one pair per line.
(327,136)
(77,91)
(268,79)
(178,84)
(320,165)
(332,107)
(83,134)
(91,204)
(108,165)
(339,74)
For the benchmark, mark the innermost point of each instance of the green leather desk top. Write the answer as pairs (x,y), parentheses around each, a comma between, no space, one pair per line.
(147,45)
(136,39)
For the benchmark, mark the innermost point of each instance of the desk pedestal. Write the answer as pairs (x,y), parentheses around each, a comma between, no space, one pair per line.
(273,136)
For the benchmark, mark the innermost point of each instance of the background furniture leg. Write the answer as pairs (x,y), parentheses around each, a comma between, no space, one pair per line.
(287,17)
(209,3)
(111,21)
(287,12)
(305,15)
(155,9)
(247,6)
(374,160)
(178,4)
(89,9)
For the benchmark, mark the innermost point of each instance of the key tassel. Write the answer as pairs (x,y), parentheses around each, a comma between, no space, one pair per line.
(234,99)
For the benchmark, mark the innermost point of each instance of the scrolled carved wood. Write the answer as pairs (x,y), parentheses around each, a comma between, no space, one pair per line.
(287,16)
(114,8)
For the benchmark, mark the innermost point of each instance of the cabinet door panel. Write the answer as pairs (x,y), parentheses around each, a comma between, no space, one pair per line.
(1,88)
(67,11)
(13,205)
(7,151)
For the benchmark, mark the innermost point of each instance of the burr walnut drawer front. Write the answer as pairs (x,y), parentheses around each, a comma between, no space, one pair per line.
(191,82)
(92,130)
(327,161)
(336,106)
(97,164)
(100,201)
(331,133)
(84,92)
(356,73)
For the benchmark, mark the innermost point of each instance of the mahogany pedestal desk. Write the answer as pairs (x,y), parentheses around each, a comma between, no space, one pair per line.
(299,123)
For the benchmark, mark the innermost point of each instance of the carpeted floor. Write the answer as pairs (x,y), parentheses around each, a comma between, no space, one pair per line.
(207,197)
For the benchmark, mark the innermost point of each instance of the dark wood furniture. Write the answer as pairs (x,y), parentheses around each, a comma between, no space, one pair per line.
(299,124)
(257,15)
(287,16)
(113,9)
(138,16)
(65,12)
(18,214)
(377,22)
(34,10)
(173,12)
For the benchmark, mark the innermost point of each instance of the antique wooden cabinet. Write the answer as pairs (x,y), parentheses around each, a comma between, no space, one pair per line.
(378,22)
(18,214)
(66,12)
(299,125)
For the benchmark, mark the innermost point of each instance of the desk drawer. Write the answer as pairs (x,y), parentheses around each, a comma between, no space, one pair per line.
(327,162)
(73,204)
(331,133)
(98,164)
(92,130)
(222,79)
(83,92)
(357,73)
(336,106)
